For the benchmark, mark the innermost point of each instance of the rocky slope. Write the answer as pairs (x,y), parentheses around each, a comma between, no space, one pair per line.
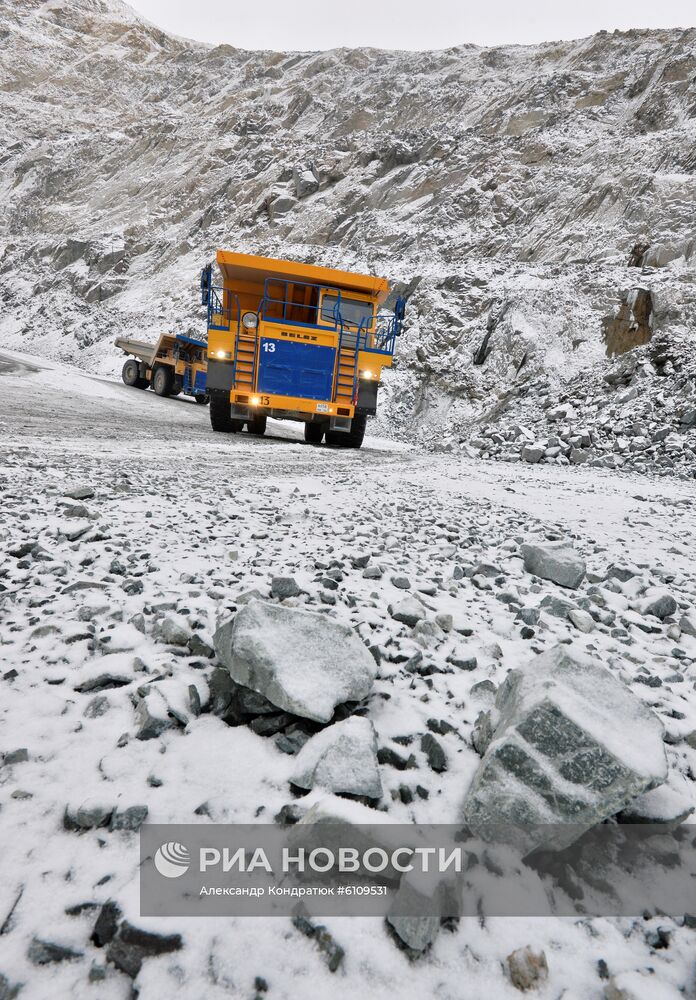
(522,195)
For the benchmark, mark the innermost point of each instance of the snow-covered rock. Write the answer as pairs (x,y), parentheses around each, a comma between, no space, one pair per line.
(341,759)
(555,561)
(572,746)
(303,663)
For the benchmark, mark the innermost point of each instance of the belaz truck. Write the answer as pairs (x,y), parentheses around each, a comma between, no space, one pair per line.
(296,342)
(175,364)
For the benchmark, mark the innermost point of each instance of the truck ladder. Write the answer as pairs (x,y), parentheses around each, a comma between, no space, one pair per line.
(245,359)
(346,367)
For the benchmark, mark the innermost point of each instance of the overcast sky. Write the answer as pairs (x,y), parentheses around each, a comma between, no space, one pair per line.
(407,24)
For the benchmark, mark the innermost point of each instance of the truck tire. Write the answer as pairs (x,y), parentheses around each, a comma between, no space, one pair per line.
(313,432)
(177,385)
(351,439)
(162,380)
(257,425)
(220,414)
(131,375)
(202,400)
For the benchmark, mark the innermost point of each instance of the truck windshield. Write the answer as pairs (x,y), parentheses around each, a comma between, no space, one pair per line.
(353,311)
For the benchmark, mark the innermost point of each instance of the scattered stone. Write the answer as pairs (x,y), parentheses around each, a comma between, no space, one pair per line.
(152,717)
(289,814)
(270,725)
(687,623)
(385,755)
(572,745)
(528,969)
(661,605)
(532,453)
(341,759)
(74,588)
(197,647)
(80,493)
(437,759)
(47,953)
(97,707)
(555,561)
(292,740)
(103,682)
(409,611)
(91,815)
(15,757)
(97,973)
(483,690)
(623,574)
(467,663)
(556,606)
(401,582)
(440,727)
(413,934)
(284,586)
(482,733)
(173,632)
(130,819)
(372,573)
(131,945)
(107,924)
(582,620)
(330,949)
(303,663)
(234,703)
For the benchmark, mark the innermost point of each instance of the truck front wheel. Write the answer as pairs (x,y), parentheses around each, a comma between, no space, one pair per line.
(131,375)
(257,426)
(220,414)
(352,438)
(313,432)
(162,380)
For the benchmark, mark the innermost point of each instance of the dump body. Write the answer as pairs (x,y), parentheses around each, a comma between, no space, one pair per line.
(181,362)
(295,341)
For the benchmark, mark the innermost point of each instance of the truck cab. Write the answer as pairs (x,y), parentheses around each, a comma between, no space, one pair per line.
(297,342)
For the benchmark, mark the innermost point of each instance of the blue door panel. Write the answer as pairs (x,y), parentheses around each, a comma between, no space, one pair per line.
(287,368)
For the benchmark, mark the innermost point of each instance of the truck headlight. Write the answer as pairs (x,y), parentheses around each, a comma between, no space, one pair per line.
(367,374)
(249,321)
(223,354)
(255,400)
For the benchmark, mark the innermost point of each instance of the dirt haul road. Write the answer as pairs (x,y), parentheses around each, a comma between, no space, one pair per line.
(170,522)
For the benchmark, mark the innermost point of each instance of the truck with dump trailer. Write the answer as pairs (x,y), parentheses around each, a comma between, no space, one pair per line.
(175,364)
(296,342)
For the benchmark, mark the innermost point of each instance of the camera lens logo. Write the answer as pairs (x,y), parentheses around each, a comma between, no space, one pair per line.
(172,860)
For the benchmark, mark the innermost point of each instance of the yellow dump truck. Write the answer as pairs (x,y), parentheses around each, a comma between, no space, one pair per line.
(297,342)
(175,364)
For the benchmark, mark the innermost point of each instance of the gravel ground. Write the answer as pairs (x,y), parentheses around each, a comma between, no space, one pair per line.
(170,522)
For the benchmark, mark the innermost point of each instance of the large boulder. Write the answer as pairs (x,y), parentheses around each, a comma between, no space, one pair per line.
(306,179)
(572,745)
(555,561)
(341,759)
(303,663)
